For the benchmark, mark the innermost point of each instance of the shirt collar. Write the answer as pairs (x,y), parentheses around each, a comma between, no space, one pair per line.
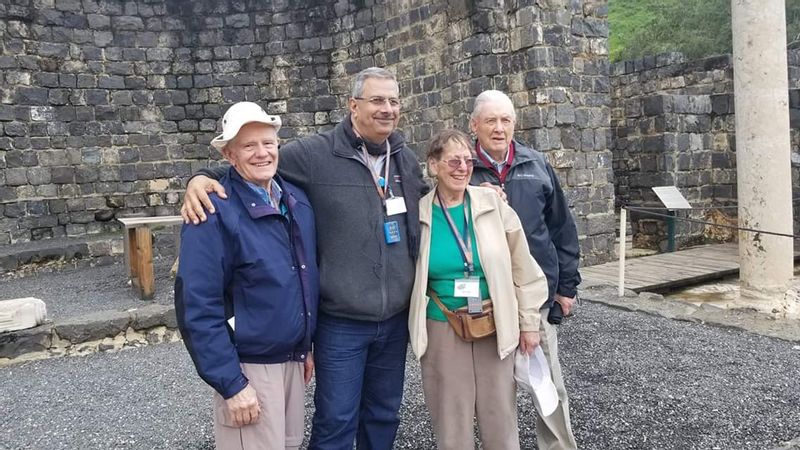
(497,165)
(273,200)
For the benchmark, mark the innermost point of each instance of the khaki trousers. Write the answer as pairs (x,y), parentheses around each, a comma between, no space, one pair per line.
(554,432)
(463,380)
(281,393)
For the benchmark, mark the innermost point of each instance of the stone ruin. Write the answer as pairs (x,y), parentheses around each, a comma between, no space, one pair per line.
(673,124)
(107,106)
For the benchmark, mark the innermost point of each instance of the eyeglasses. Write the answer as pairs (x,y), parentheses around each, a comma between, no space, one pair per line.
(380,101)
(455,163)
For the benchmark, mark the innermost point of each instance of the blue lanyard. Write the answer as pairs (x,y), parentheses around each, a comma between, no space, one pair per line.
(381,182)
(465,248)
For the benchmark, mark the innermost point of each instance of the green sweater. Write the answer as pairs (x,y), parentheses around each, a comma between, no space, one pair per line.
(446,263)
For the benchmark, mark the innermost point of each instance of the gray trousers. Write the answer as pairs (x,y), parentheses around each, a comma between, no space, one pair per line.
(554,432)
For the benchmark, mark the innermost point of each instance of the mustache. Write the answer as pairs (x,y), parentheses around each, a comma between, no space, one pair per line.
(386,116)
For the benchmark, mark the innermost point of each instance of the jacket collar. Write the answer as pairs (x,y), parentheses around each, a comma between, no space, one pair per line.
(522,155)
(347,143)
(480,202)
(252,202)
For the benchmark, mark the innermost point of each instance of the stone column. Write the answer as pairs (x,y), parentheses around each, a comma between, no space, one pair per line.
(762,150)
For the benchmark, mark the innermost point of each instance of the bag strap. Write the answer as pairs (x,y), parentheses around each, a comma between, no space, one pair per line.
(439,303)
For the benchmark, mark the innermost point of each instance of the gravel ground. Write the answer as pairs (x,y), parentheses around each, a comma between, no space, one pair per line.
(636,382)
(73,291)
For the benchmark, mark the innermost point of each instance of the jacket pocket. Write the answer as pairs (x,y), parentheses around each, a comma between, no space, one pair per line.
(268,322)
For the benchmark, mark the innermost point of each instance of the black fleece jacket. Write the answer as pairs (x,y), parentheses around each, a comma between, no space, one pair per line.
(361,276)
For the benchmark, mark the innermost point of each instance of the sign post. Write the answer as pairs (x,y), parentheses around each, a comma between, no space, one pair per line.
(672,199)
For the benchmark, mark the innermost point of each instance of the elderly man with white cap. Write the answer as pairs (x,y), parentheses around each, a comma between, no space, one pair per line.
(247,291)
(365,185)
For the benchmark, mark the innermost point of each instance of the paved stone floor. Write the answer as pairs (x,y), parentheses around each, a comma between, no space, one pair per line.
(637,382)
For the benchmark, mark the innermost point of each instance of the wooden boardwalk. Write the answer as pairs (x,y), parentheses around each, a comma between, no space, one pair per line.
(667,271)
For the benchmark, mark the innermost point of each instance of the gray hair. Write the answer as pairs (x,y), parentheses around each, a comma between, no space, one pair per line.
(370,72)
(489,97)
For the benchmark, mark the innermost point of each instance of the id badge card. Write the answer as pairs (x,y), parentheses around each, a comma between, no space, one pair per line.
(474,305)
(395,205)
(391,231)
(467,287)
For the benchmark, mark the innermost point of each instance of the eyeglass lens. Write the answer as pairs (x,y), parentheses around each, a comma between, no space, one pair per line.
(378,101)
(456,162)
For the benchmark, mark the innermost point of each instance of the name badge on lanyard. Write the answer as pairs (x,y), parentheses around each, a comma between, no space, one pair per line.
(392,205)
(471,289)
(395,205)
(469,286)
(391,231)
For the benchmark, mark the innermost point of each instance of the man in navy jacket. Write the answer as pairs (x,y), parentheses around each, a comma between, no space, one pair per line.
(533,191)
(247,291)
(365,185)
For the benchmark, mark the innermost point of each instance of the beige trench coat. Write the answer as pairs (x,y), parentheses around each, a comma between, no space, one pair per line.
(517,285)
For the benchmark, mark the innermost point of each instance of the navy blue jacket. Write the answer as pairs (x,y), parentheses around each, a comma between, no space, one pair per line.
(251,262)
(535,195)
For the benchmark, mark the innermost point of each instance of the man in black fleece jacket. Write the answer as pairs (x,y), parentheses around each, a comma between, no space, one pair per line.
(364,184)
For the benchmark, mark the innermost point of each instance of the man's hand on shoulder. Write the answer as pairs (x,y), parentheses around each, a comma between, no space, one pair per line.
(196,200)
(497,189)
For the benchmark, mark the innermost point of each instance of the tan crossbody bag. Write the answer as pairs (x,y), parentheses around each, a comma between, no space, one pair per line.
(469,327)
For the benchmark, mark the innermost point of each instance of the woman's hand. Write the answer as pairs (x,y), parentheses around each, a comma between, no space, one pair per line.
(528,340)
(196,201)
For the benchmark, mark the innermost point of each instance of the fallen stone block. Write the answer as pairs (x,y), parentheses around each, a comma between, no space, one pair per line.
(101,331)
(8,263)
(153,315)
(16,343)
(93,326)
(794,444)
(21,313)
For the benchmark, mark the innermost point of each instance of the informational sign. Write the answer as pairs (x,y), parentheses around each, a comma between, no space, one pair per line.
(671,197)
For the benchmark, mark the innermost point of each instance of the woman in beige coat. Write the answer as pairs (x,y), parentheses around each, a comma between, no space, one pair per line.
(472,247)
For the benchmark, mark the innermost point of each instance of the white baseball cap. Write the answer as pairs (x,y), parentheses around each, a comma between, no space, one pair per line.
(532,374)
(239,115)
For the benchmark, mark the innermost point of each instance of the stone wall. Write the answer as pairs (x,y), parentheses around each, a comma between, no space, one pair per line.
(673,124)
(550,57)
(794,121)
(107,106)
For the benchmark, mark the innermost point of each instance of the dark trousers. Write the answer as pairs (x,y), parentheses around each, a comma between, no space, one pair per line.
(360,368)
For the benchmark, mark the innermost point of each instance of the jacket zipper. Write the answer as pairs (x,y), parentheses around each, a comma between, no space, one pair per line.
(288,227)
(384,293)
(289,218)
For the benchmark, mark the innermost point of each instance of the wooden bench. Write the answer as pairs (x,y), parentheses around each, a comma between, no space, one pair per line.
(139,250)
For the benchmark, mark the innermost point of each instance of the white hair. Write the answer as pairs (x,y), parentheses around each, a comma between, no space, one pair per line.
(492,96)
(364,75)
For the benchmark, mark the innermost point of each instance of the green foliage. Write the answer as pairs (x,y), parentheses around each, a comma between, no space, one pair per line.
(696,28)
